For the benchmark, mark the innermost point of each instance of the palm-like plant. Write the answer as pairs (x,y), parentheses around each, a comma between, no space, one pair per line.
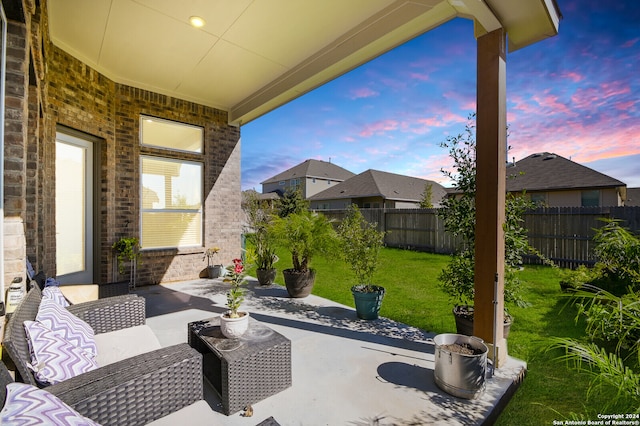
(305,234)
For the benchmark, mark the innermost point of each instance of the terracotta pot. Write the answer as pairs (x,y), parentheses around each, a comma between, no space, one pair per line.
(233,328)
(266,276)
(299,284)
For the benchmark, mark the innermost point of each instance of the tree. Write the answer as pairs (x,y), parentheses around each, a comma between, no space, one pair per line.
(459,215)
(427,196)
(291,202)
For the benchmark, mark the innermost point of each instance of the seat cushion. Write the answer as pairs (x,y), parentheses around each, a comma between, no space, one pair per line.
(66,325)
(54,359)
(28,405)
(126,343)
(80,293)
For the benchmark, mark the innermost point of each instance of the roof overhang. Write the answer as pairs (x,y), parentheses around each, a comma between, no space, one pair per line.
(254,56)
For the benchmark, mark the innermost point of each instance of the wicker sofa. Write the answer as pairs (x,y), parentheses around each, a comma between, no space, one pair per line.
(133,391)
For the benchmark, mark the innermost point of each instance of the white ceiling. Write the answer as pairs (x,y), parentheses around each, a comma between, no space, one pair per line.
(255,55)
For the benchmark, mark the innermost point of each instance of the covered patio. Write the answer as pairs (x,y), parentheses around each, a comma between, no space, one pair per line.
(96,70)
(345,371)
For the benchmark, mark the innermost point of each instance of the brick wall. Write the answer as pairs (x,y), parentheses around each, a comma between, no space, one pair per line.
(74,95)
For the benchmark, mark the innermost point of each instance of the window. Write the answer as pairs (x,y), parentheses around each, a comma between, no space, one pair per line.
(282,183)
(170,187)
(590,198)
(539,198)
(166,134)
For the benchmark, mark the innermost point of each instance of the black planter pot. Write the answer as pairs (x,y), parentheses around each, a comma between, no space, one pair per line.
(299,284)
(368,303)
(464,321)
(266,276)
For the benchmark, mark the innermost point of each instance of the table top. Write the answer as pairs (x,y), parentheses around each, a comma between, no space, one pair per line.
(257,337)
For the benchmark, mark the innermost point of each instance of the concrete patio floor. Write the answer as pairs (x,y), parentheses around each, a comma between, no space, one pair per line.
(345,371)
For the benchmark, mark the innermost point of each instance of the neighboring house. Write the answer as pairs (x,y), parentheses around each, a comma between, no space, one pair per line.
(310,176)
(376,189)
(633,197)
(554,181)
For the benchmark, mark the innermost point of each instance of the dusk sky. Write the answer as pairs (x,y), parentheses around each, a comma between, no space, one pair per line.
(576,95)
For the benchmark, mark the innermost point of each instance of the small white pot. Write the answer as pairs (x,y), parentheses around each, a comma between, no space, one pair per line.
(233,328)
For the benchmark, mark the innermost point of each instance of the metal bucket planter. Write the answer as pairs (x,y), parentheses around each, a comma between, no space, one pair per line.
(460,374)
(214,271)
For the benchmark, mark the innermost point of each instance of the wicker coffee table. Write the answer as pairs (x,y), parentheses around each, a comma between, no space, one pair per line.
(245,370)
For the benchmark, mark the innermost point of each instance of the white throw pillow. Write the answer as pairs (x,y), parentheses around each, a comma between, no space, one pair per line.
(53,359)
(68,326)
(28,405)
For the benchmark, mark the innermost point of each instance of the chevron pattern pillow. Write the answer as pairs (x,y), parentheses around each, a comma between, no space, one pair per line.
(54,293)
(53,359)
(28,405)
(68,326)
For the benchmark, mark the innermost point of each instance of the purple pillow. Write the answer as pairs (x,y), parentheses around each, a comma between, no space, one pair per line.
(53,359)
(28,405)
(54,293)
(66,325)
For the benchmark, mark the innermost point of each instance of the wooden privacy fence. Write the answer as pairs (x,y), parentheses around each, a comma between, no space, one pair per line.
(562,234)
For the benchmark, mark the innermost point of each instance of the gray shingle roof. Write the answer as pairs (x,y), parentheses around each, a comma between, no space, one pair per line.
(546,171)
(374,183)
(312,168)
(633,197)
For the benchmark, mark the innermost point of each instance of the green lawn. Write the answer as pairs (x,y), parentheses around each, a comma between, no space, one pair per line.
(550,391)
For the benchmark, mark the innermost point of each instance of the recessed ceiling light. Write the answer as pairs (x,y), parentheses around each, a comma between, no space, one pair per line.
(196,21)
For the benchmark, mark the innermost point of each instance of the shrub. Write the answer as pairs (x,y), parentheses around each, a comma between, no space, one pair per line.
(618,254)
(361,243)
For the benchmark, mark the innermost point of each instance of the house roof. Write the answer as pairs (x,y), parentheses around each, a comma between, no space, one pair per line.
(313,169)
(633,197)
(251,57)
(547,171)
(374,183)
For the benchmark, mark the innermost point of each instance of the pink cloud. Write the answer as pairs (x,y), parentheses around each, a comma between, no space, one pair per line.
(630,43)
(419,76)
(625,106)
(573,76)
(363,92)
(551,103)
(614,88)
(379,127)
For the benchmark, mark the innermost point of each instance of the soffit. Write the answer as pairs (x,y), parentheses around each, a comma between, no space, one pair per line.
(254,55)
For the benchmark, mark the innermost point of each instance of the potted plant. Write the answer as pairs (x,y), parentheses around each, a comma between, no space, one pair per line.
(127,251)
(264,249)
(234,323)
(458,213)
(304,234)
(361,243)
(213,270)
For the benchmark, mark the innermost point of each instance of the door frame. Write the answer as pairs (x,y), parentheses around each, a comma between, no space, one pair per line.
(96,185)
